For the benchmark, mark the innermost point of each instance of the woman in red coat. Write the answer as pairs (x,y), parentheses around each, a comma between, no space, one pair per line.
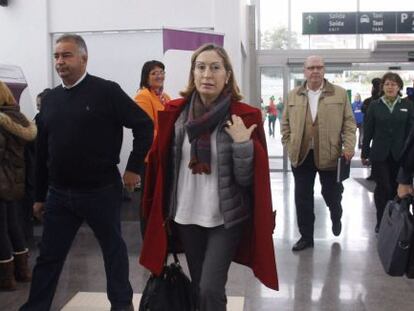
(208,178)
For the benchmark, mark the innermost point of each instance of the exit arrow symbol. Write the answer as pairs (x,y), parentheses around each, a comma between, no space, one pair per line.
(309,18)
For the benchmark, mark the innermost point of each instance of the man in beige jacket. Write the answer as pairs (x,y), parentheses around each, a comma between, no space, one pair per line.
(318,127)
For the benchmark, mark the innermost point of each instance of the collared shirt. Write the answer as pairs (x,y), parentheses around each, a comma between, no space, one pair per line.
(313,97)
(76,83)
(390,104)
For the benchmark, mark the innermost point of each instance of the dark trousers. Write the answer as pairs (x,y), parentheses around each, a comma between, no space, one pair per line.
(65,211)
(360,128)
(11,233)
(304,183)
(272,122)
(209,253)
(142,221)
(385,175)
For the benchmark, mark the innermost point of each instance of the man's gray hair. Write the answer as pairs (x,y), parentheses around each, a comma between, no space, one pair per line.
(74,38)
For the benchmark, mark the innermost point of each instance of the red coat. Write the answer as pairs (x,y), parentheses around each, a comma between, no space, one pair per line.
(256,249)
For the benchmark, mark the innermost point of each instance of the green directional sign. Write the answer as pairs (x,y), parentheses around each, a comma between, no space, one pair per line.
(328,23)
(325,23)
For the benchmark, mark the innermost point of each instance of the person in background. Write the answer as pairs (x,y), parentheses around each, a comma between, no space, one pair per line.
(40,97)
(208,181)
(376,92)
(15,131)
(30,159)
(406,171)
(151,96)
(279,108)
(410,93)
(263,110)
(152,99)
(318,127)
(386,126)
(359,117)
(272,115)
(81,124)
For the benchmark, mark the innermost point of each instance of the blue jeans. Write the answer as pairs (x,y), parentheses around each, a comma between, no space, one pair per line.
(65,211)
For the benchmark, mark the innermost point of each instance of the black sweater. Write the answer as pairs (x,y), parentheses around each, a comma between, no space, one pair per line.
(80,136)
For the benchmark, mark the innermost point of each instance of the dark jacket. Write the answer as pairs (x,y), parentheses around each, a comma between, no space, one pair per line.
(15,131)
(387,131)
(256,248)
(405,174)
(366,103)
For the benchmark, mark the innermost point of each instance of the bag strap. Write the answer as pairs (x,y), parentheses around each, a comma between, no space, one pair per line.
(404,202)
(170,241)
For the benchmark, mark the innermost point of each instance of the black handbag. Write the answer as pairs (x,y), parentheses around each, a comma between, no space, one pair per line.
(170,291)
(410,267)
(395,236)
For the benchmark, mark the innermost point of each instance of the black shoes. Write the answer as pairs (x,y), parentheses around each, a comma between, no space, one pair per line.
(302,244)
(336,227)
(126,308)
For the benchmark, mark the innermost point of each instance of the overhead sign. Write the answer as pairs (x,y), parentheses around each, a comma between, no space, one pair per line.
(376,22)
(357,23)
(328,23)
(405,22)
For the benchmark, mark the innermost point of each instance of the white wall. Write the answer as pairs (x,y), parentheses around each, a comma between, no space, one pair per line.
(90,15)
(24,37)
(120,56)
(27,26)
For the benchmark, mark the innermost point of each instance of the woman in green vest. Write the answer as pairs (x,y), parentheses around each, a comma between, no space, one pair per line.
(387,125)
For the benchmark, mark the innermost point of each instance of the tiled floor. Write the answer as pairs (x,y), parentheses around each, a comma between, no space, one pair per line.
(99,302)
(341,273)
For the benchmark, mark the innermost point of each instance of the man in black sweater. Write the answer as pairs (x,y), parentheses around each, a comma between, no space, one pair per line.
(80,135)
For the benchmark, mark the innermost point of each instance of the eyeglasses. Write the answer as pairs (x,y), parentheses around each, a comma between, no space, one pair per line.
(391,84)
(157,73)
(213,67)
(311,68)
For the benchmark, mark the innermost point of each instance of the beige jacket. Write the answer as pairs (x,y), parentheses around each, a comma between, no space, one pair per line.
(336,124)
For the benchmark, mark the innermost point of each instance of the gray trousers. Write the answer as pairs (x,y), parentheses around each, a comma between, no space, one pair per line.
(209,253)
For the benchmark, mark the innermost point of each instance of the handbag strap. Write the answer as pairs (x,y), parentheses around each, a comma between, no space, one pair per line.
(170,240)
(404,202)
(175,257)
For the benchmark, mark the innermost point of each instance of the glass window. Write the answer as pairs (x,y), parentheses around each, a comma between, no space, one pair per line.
(272,107)
(273,24)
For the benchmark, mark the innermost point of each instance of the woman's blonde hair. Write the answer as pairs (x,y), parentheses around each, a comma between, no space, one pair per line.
(6,96)
(231,86)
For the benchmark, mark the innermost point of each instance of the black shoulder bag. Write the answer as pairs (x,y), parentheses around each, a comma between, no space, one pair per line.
(170,291)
